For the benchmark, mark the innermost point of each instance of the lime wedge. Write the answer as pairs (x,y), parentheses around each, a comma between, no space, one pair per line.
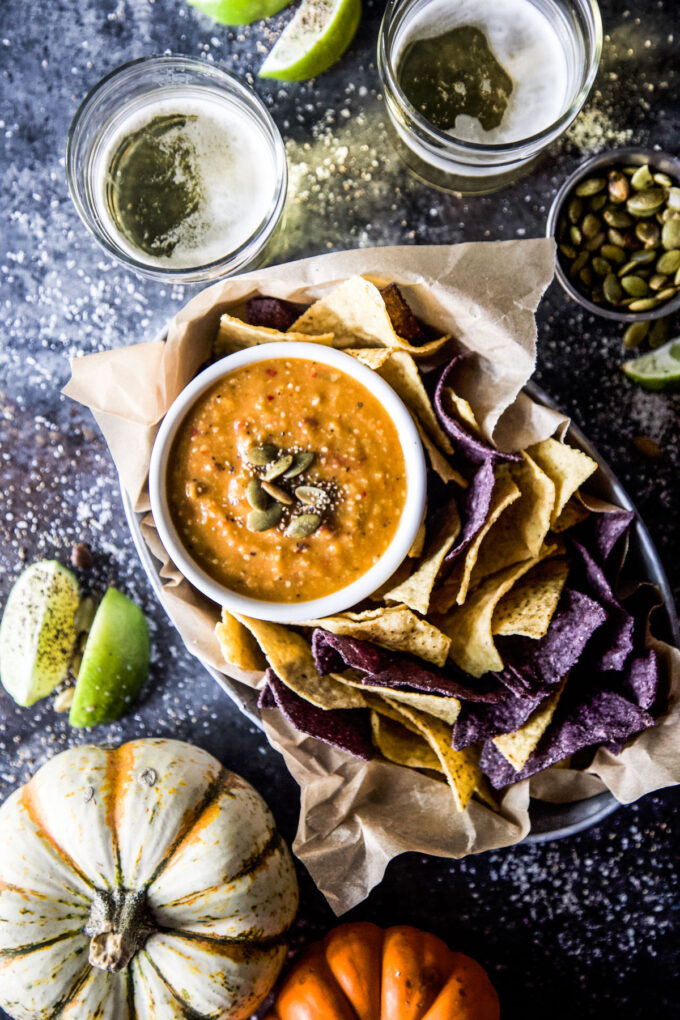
(37,633)
(317,36)
(658,370)
(239,12)
(115,661)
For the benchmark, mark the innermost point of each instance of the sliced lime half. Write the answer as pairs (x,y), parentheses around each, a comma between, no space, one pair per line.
(38,632)
(239,12)
(658,370)
(115,661)
(317,36)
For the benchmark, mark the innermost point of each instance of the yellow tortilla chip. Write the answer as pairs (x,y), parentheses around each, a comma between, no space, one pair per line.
(418,542)
(469,626)
(439,462)
(393,627)
(355,313)
(401,372)
(416,590)
(401,745)
(568,468)
(290,656)
(399,575)
(517,747)
(460,408)
(234,334)
(455,588)
(372,357)
(521,530)
(573,513)
(239,648)
(460,767)
(528,607)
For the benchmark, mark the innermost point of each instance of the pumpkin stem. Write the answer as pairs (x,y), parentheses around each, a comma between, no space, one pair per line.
(119,924)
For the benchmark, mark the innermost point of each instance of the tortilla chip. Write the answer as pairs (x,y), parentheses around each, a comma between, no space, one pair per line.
(521,531)
(355,313)
(233,335)
(371,357)
(400,745)
(238,646)
(573,513)
(469,626)
(445,708)
(290,656)
(401,372)
(402,318)
(455,588)
(272,312)
(394,627)
(452,403)
(517,747)
(568,468)
(530,604)
(416,590)
(460,767)
(418,542)
(438,461)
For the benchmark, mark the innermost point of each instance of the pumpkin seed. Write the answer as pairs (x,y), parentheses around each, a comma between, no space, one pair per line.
(670,235)
(658,333)
(616,237)
(618,186)
(662,179)
(665,215)
(263,520)
(574,210)
(667,294)
(277,493)
(578,263)
(618,218)
(644,304)
(669,262)
(575,235)
(635,286)
(278,467)
(310,494)
(256,496)
(301,462)
(601,266)
(629,170)
(648,447)
(643,257)
(590,226)
(611,289)
(593,243)
(646,203)
(598,202)
(648,232)
(589,187)
(568,251)
(642,178)
(673,201)
(629,267)
(635,334)
(303,526)
(658,281)
(260,454)
(586,276)
(613,253)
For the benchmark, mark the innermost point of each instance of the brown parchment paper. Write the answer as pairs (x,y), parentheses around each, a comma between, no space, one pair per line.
(355,816)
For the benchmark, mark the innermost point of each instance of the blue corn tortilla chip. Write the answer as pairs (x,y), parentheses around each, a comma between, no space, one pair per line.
(273,313)
(642,680)
(467,446)
(346,728)
(603,717)
(474,512)
(601,532)
(482,721)
(615,640)
(334,653)
(532,665)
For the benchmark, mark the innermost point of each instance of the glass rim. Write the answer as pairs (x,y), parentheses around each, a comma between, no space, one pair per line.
(238,257)
(432,133)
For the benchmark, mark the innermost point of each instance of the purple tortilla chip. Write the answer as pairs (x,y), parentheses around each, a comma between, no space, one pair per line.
(346,728)
(600,532)
(604,717)
(615,640)
(481,721)
(273,313)
(532,665)
(474,512)
(382,668)
(642,679)
(470,447)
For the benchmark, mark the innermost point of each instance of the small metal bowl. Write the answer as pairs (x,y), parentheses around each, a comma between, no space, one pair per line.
(662,162)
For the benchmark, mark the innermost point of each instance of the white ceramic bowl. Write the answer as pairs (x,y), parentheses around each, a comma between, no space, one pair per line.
(412,514)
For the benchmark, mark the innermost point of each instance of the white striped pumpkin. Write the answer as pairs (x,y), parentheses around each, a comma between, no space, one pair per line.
(142,883)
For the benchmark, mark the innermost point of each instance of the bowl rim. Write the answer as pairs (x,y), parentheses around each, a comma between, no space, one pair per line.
(411,516)
(611,157)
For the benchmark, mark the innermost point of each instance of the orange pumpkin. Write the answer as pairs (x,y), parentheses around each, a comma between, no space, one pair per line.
(362,972)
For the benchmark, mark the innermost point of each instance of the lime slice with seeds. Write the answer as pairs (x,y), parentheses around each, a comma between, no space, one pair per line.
(38,631)
(115,661)
(239,12)
(658,370)
(317,36)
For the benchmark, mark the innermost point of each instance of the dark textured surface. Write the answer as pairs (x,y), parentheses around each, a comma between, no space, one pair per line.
(588,926)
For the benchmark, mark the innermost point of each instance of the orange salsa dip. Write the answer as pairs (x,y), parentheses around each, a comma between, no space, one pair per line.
(286,480)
